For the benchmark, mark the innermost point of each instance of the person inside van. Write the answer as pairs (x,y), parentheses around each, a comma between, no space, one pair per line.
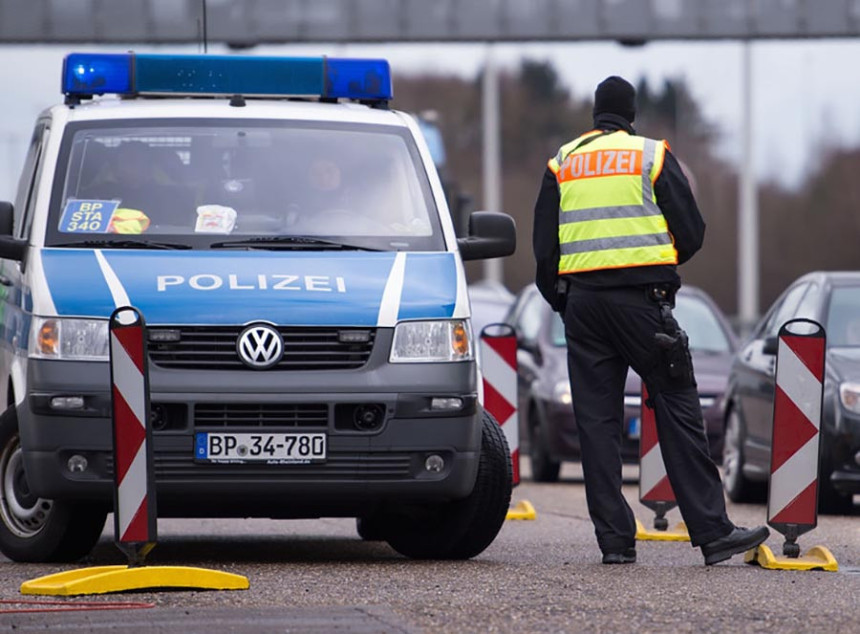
(136,175)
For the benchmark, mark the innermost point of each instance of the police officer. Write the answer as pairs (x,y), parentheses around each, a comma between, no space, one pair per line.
(614,217)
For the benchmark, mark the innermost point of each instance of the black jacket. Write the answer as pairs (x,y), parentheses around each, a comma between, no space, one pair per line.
(676,201)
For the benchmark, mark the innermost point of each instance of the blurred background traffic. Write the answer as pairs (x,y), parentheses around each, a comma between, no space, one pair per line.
(743,91)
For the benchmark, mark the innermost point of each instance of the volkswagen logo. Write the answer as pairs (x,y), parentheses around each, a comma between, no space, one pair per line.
(260,346)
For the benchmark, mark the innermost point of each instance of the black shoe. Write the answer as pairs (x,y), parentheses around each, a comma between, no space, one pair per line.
(627,557)
(738,541)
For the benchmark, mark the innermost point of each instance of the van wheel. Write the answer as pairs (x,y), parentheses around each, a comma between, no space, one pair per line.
(738,487)
(463,528)
(34,529)
(371,528)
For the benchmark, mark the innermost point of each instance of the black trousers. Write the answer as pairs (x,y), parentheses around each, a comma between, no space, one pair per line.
(608,331)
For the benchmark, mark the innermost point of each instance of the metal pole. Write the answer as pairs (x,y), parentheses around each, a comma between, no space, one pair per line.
(748,241)
(492,150)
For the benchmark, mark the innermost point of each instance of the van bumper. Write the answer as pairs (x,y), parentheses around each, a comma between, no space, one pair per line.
(361,468)
(378,465)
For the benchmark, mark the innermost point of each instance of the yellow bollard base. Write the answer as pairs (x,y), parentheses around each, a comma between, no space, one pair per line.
(816,558)
(676,533)
(522,510)
(104,579)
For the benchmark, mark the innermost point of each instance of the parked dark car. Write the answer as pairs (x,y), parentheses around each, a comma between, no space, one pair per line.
(833,300)
(490,302)
(547,423)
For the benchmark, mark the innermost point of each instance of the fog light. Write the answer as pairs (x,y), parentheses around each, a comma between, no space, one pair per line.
(434,463)
(368,417)
(77,464)
(67,402)
(450,404)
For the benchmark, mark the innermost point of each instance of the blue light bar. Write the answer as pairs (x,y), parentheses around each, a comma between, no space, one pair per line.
(228,75)
(88,74)
(97,74)
(358,78)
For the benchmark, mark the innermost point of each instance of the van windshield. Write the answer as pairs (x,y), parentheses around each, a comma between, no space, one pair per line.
(222,183)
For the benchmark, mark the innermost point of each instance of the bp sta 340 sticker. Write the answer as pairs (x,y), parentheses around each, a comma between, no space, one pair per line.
(101,216)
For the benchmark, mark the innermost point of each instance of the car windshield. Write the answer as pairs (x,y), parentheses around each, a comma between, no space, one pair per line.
(694,316)
(207,182)
(702,326)
(843,317)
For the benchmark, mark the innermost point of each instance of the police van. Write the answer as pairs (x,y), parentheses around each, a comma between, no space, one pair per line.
(285,237)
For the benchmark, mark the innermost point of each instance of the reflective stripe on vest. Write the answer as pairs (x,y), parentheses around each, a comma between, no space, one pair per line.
(608,216)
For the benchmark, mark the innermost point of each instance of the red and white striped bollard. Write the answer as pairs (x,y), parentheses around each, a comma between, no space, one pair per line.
(792,506)
(655,491)
(135,516)
(499,369)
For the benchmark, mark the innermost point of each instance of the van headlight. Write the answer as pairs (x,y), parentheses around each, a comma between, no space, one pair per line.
(849,394)
(432,341)
(69,339)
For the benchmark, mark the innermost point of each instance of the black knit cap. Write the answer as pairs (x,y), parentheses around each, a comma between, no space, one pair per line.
(616,96)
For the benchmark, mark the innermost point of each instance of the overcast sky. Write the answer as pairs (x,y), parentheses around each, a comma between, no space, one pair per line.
(805,91)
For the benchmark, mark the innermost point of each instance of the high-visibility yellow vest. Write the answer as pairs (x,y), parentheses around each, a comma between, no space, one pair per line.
(608,217)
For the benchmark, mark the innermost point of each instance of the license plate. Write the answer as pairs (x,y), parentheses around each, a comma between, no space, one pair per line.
(634,427)
(266,448)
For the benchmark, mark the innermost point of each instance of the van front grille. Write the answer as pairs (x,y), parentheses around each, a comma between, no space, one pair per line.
(214,348)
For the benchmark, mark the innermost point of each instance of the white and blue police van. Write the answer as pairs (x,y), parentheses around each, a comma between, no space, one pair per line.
(285,237)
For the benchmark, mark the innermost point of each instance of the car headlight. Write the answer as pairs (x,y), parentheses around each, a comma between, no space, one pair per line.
(849,394)
(561,392)
(69,339)
(432,341)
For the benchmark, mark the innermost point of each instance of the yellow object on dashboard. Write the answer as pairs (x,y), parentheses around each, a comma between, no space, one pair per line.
(128,221)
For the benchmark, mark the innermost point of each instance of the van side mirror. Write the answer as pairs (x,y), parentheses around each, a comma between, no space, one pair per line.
(10,248)
(491,235)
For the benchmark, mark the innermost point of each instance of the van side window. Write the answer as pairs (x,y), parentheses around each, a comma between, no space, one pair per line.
(27,183)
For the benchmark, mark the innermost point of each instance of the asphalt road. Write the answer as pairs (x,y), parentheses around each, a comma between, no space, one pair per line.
(538,576)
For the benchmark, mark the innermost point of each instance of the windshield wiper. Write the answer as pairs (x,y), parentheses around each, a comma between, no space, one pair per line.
(124,244)
(289,242)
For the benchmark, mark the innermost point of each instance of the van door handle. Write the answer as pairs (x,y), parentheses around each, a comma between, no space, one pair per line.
(5,281)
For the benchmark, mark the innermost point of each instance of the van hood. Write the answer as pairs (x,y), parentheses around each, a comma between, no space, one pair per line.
(239,287)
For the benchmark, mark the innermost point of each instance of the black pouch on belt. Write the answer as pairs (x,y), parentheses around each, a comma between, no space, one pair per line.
(674,344)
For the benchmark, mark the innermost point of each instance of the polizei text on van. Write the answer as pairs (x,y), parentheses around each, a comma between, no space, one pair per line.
(236,282)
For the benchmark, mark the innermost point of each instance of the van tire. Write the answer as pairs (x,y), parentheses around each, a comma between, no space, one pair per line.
(371,528)
(35,529)
(463,528)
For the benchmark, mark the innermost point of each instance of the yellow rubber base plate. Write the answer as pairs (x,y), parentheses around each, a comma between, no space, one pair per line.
(816,558)
(522,510)
(676,533)
(104,579)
